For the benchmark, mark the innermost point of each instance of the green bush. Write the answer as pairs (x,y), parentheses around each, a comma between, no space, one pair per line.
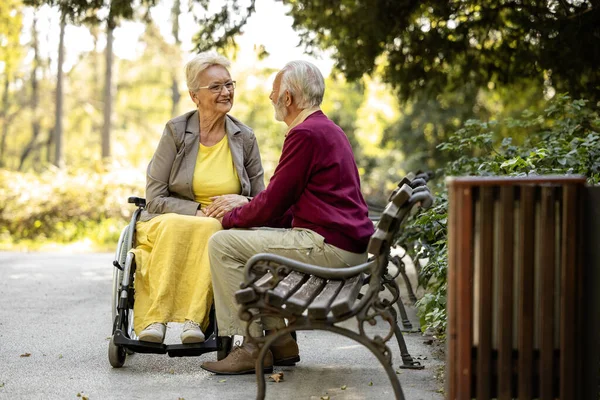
(563,139)
(65,206)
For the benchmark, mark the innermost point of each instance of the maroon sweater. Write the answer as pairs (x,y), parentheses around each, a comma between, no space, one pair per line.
(316,181)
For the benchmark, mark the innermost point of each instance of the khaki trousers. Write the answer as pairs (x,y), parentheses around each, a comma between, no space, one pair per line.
(230,250)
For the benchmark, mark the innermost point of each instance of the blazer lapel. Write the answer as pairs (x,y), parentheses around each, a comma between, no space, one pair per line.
(236,146)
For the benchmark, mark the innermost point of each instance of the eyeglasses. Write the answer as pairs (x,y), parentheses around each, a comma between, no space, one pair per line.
(218,87)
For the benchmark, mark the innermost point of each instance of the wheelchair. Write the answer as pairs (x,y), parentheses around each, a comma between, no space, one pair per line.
(124,340)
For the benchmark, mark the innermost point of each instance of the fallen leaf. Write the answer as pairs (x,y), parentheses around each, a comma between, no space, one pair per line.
(1,384)
(371,383)
(278,377)
(78,394)
(25,355)
(223,381)
(398,372)
(344,387)
(60,356)
(171,371)
(85,398)
(324,397)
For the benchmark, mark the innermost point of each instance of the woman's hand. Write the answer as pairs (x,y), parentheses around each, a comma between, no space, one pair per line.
(223,204)
(200,213)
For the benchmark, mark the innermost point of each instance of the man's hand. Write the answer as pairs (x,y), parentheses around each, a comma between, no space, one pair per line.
(200,213)
(223,204)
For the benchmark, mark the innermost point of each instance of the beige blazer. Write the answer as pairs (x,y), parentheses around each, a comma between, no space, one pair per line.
(171,170)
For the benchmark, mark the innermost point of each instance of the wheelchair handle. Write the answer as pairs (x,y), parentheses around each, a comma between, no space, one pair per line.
(138,201)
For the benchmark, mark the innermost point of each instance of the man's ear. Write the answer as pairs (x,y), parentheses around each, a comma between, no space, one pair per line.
(193,97)
(288,99)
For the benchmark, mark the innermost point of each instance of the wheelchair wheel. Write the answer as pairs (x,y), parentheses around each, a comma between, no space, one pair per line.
(121,256)
(116,354)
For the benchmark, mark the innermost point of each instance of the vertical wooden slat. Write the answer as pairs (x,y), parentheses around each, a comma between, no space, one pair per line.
(485,284)
(453,217)
(506,257)
(568,295)
(526,292)
(464,284)
(584,321)
(547,272)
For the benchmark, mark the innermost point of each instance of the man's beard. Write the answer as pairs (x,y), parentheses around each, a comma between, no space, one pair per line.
(280,110)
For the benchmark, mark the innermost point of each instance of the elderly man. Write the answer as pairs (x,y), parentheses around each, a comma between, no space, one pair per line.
(316,187)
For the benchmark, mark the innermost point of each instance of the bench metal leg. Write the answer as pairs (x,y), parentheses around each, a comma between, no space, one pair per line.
(407,361)
(385,362)
(402,268)
(406,324)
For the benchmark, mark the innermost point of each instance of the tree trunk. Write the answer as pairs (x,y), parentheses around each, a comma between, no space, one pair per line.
(4,118)
(110,26)
(35,124)
(175,95)
(58,125)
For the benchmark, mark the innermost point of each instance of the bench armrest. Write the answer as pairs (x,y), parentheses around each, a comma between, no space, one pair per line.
(322,272)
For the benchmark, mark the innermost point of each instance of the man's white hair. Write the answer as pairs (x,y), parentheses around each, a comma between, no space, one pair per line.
(199,63)
(305,83)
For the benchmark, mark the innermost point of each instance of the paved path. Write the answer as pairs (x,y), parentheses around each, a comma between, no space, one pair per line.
(55,322)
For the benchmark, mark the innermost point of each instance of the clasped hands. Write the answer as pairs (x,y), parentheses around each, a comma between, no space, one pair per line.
(221,205)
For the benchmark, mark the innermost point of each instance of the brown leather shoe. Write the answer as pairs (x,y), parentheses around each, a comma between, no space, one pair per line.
(285,351)
(241,360)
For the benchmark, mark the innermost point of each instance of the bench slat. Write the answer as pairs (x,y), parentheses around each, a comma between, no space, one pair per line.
(319,308)
(285,288)
(298,302)
(248,294)
(348,294)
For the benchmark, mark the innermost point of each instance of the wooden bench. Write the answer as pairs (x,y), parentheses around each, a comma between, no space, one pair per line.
(311,297)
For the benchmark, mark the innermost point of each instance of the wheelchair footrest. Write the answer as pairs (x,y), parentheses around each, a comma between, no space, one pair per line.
(194,349)
(120,339)
(174,350)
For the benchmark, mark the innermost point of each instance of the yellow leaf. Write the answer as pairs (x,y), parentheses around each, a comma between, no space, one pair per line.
(223,380)
(370,383)
(278,377)
(344,387)
(25,355)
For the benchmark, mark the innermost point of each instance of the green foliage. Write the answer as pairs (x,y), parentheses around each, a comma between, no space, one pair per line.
(563,139)
(218,30)
(87,11)
(432,46)
(65,207)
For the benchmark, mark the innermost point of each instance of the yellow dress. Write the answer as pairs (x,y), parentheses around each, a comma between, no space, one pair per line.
(172,279)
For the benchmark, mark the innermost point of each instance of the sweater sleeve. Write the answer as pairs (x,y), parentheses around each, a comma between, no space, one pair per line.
(285,188)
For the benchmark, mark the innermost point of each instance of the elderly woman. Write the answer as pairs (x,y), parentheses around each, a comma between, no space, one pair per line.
(206,164)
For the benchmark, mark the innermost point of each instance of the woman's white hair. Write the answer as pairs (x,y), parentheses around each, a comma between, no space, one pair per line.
(199,63)
(305,83)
